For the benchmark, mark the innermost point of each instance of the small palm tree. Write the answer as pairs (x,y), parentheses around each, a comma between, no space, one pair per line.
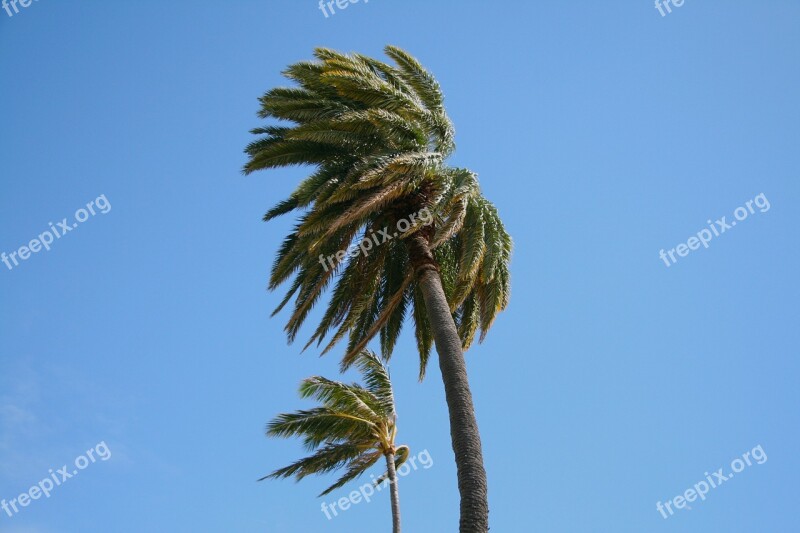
(378,137)
(353,428)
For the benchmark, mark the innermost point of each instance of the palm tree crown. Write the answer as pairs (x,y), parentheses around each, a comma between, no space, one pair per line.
(353,428)
(378,136)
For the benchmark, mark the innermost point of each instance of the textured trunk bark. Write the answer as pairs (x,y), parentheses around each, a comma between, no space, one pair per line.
(472,484)
(394,492)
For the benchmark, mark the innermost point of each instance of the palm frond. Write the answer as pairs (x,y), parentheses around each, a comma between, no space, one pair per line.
(353,428)
(376,136)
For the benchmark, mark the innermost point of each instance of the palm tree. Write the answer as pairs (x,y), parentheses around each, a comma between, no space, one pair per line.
(378,137)
(353,428)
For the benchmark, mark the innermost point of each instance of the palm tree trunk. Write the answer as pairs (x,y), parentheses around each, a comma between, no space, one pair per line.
(394,492)
(464,433)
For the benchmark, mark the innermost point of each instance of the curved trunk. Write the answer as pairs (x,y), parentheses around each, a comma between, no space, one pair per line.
(464,433)
(394,492)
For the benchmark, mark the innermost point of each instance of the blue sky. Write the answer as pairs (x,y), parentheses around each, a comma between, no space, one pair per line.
(603,132)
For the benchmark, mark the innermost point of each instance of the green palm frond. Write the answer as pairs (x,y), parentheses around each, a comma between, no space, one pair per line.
(353,427)
(357,467)
(377,381)
(377,137)
(319,425)
(328,458)
(338,397)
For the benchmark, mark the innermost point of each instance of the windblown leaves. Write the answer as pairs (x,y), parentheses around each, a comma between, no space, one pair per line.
(353,427)
(377,136)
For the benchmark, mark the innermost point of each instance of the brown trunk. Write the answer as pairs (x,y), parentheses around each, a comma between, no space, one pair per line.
(464,434)
(395,493)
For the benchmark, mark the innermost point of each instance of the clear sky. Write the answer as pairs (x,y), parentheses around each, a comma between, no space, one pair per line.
(603,131)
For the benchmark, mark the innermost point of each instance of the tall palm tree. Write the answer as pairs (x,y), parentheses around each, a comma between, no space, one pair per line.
(378,137)
(353,428)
